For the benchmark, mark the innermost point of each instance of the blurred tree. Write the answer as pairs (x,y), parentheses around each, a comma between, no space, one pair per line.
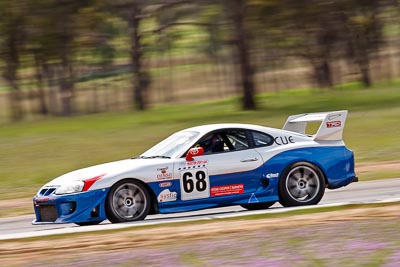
(95,54)
(310,29)
(40,46)
(171,18)
(167,14)
(96,31)
(184,9)
(53,37)
(363,33)
(238,14)
(322,31)
(133,11)
(12,39)
(215,17)
(63,40)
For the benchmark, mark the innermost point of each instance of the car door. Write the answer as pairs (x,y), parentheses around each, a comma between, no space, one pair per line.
(231,168)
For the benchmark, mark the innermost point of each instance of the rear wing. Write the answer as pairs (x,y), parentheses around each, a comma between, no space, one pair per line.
(331,127)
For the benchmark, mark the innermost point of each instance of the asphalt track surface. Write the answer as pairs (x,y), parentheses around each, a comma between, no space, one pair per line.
(362,192)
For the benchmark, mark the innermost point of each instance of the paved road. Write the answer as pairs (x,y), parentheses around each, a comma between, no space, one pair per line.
(361,192)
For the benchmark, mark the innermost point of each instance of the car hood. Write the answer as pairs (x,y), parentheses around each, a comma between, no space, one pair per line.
(106,169)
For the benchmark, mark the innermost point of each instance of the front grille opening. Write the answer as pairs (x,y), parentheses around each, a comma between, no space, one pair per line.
(48,213)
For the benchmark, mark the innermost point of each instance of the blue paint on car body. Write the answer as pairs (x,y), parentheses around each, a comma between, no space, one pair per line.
(80,207)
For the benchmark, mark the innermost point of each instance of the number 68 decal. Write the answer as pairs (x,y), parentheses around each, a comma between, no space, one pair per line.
(195,184)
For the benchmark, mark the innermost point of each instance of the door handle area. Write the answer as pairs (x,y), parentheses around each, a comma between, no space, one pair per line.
(249,160)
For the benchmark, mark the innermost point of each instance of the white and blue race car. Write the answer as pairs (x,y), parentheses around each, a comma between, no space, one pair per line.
(205,167)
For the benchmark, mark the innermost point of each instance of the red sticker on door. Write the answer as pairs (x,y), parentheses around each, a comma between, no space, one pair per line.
(225,190)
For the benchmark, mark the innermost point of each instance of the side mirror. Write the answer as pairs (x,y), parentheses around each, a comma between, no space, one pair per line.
(195,151)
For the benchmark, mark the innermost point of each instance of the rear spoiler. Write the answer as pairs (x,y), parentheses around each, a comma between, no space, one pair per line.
(331,127)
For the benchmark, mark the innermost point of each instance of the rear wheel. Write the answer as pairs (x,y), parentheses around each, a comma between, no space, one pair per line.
(128,200)
(258,206)
(301,184)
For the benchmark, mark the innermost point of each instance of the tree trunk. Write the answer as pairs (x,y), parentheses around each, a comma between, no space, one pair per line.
(10,75)
(41,93)
(139,82)
(15,103)
(66,87)
(49,75)
(241,43)
(363,63)
(365,77)
(322,73)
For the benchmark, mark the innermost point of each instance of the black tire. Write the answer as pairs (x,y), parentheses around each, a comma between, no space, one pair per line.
(258,206)
(301,184)
(127,201)
(88,223)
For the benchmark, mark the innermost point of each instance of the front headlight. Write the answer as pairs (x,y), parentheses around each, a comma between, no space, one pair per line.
(70,188)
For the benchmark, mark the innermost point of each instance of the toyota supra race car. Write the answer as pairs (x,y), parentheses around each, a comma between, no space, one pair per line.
(205,167)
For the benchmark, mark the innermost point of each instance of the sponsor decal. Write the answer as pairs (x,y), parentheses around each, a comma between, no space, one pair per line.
(167,196)
(44,199)
(332,117)
(193,164)
(253,199)
(272,175)
(195,151)
(283,140)
(333,124)
(225,190)
(197,162)
(162,170)
(164,175)
(165,184)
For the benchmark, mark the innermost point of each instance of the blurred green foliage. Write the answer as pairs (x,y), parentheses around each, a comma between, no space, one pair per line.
(56,56)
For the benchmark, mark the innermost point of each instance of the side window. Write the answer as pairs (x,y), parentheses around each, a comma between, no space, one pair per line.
(238,139)
(212,143)
(262,139)
(224,141)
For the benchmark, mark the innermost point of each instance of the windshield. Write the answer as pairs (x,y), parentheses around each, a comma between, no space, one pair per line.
(172,146)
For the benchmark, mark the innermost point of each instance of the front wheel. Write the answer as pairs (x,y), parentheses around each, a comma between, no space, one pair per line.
(258,206)
(128,200)
(301,184)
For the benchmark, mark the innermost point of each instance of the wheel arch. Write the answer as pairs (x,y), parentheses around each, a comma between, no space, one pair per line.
(328,159)
(320,168)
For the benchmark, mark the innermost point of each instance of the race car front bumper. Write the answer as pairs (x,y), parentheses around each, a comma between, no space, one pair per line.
(72,208)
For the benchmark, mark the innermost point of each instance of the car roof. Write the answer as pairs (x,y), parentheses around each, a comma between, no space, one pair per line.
(202,129)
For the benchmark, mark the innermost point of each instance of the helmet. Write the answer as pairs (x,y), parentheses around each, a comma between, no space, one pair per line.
(212,144)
